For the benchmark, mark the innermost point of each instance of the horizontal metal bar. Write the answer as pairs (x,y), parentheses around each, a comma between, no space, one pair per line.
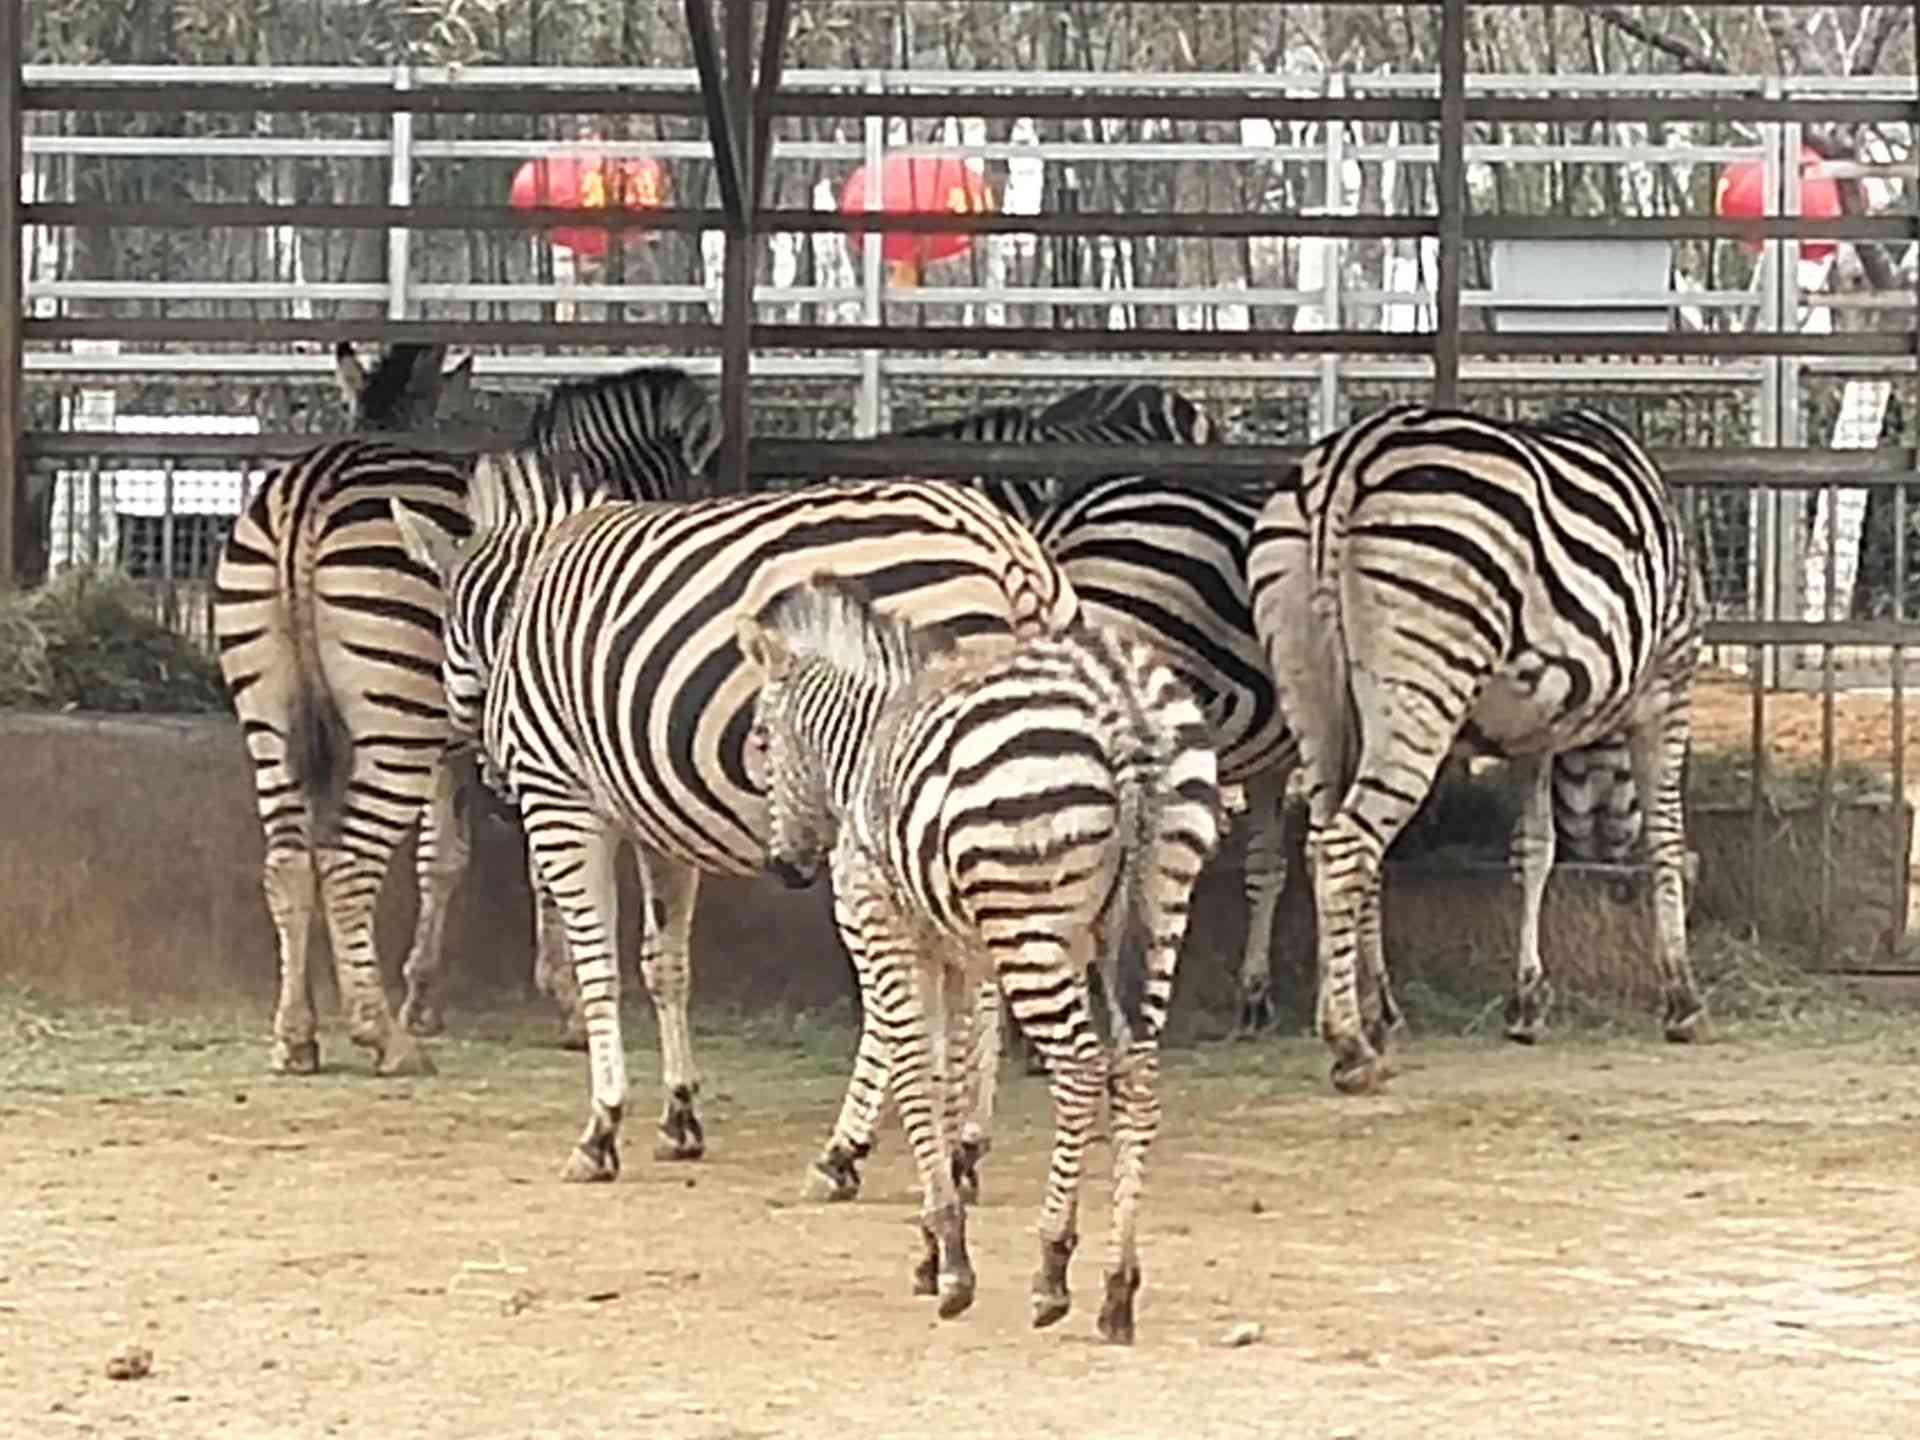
(1889,227)
(420,332)
(334,100)
(1811,632)
(789,221)
(1202,152)
(508,366)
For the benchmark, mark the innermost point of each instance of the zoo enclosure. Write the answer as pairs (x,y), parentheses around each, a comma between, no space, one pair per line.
(1749,337)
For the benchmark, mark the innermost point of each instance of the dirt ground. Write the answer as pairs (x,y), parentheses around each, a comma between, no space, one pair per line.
(1574,1241)
(1722,711)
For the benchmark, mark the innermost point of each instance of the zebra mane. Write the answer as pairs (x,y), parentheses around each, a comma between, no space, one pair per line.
(632,419)
(522,487)
(831,618)
(391,382)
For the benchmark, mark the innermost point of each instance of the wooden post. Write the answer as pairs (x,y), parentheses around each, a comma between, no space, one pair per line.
(13,300)
(736,311)
(1451,180)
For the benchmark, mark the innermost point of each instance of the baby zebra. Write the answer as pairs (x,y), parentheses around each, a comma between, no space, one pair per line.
(1023,812)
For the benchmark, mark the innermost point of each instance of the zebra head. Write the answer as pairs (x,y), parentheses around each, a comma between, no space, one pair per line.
(828,665)
(405,390)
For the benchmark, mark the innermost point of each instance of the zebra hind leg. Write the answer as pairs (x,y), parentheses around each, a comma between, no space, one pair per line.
(1532,857)
(553,970)
(441,857)
(1265,878)
(288,881)
(1659,745)
(349,889)
(976,1081)
(667,929)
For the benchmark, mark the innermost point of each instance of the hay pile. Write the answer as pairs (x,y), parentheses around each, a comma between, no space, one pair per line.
(90,642)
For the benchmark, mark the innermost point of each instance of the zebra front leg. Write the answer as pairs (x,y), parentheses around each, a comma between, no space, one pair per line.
(835,1173)
(552,970)
(670,889)
(1659,746)
(441,855)
(977,1068)
(349,889)
(1532,859)
(573,852)
(287,878)
(1265,878)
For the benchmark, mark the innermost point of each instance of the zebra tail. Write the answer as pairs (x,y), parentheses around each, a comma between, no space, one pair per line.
(319,749)
(1325,690)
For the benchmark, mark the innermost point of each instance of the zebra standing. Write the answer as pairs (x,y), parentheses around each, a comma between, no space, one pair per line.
(591,652)
(329,640)
(1444,582)
(1026,813)
(1166,560)
(329,643)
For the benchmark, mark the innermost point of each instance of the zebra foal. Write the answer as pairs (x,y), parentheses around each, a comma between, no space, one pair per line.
(1441,582)
(591,655)
(1024,813)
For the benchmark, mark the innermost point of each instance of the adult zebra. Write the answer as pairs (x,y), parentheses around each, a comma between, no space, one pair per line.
(329,640)
(1441,582)
(591,652)
(1028,813)
(1166,559)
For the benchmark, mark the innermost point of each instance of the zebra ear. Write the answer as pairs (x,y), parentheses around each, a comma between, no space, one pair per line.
(764,647)
(426,544)
(457,383)
(349,372)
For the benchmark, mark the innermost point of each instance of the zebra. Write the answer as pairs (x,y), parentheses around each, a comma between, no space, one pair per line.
(1166,559)
(591,654)
(1030,812)
(329,642)
(1444,582)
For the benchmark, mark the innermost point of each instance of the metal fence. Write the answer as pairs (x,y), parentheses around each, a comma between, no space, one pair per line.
(1781,402)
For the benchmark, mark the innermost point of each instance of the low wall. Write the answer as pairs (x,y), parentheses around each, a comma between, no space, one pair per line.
(130,874)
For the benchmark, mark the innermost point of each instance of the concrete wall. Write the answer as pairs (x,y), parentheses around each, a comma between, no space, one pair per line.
(130,862)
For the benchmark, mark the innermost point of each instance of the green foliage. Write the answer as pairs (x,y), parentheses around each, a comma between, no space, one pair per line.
(91,642)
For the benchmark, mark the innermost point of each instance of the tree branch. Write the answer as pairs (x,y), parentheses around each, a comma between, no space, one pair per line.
(1688,58)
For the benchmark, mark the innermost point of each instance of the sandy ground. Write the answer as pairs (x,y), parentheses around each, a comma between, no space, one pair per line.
(1572,1242)
(1722,712)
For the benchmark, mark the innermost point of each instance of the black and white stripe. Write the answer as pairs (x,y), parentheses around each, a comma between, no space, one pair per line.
(329,640)
(591,651)
(1441,582)
(1028,813)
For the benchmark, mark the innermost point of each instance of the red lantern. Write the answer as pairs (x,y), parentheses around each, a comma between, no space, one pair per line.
(589,182)
(1741,196)
(916,185)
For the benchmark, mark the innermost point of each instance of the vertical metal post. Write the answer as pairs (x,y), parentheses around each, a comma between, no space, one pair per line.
(13,300)
(169,587)
(1451,176)
(400,193)
(736,312)
(93,512)
(872,272)
(1333,158)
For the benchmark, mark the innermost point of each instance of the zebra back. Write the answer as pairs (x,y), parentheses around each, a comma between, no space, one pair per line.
(646,433)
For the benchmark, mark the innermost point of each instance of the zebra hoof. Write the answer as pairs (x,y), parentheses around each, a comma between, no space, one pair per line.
(1256,1014)
(1116,1313)
(831,1180)
(422,1018)
(573,1035)
(597,1165)
(680,1136)
(1050,1309)
(1364,1076)
(1689,1029)
(400,1061)
(956,1294)
(296,1057)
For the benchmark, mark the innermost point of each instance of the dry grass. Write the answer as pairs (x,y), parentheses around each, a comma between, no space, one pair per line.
(89,642)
